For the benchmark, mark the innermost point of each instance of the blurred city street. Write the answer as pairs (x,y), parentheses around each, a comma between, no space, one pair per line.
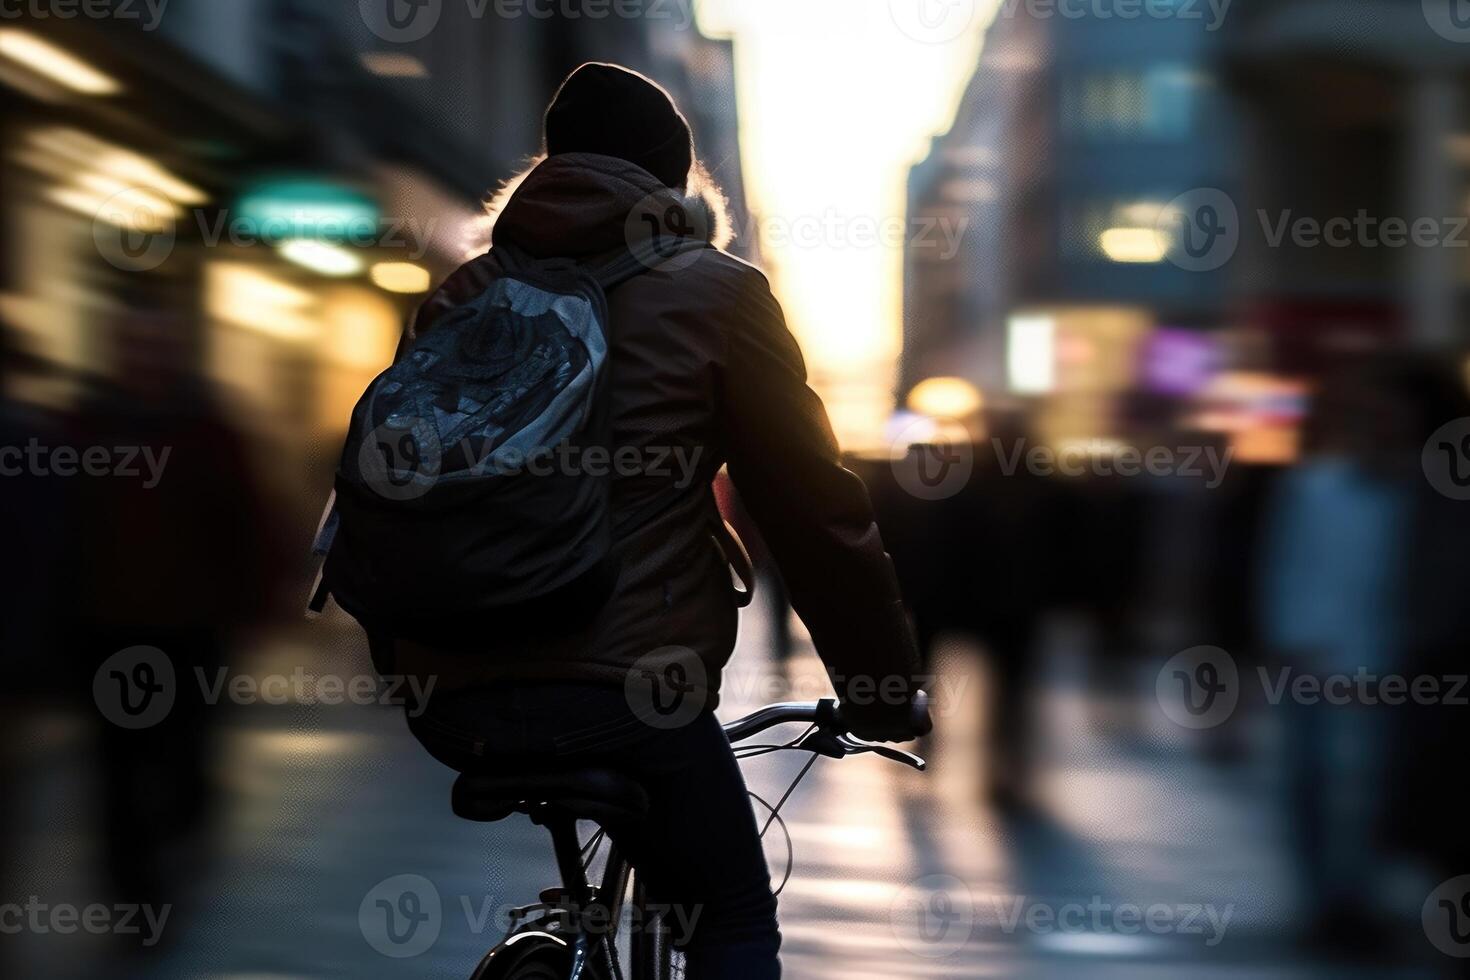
(1101,364)
(324,803)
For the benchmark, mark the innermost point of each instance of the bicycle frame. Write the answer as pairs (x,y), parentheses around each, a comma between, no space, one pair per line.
(585,904)
(591,913)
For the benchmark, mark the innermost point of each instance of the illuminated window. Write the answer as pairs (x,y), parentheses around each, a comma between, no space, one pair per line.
(1031,354)
(1161,102)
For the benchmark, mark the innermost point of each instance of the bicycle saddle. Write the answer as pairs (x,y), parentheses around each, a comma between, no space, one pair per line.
(600,795)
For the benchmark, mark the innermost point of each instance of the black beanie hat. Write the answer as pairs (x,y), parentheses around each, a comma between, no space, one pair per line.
(611,110)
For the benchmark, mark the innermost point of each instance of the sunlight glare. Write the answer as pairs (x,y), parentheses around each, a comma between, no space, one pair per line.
(836,104)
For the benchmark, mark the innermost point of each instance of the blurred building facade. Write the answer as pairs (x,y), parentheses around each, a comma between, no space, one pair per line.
(1358,116)
(289,176)
(1070,145)
(1089,150)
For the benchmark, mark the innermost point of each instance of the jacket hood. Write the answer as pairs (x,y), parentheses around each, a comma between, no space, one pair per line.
(583,204)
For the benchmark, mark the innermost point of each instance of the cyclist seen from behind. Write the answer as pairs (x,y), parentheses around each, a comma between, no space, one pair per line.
(618,666)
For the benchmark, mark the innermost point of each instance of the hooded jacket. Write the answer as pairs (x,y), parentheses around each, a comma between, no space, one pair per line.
(704,374)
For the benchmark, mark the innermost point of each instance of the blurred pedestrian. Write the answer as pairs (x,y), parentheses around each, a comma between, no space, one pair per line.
(1430,738)
(1333,605)
(1005,537)
(33,511)
(32,516)
(983,563)
(166,556)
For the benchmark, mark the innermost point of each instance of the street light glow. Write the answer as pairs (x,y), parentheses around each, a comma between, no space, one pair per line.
(322,258)
(47,60)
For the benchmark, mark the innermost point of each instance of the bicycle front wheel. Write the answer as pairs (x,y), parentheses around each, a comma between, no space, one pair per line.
(532,958)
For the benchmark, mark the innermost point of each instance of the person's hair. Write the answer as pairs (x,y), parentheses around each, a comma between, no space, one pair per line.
(704,192)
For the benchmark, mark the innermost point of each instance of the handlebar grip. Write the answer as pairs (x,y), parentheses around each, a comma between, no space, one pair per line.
(921,723)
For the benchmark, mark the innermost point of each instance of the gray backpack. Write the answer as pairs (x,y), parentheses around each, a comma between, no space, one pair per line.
(455,511)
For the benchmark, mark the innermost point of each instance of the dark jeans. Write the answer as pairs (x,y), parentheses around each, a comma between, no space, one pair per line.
(699,849)
(1337,766)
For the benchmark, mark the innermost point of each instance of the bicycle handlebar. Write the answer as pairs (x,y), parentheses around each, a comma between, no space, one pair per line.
(825,713)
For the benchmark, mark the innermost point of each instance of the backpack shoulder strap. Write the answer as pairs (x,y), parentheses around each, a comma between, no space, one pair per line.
(462,285)
(642,257)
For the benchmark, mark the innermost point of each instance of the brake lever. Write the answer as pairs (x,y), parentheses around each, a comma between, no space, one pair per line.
(823,742)
(855,746)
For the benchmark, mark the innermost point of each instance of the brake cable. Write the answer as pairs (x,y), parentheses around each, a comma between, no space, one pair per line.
(590,849)
(752,751)
(776,810)
(790,848)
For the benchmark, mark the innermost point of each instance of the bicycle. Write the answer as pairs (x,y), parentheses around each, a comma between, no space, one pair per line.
(571,933)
